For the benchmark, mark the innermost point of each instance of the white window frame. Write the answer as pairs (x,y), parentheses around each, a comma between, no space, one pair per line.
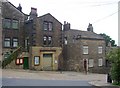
(100,49)
(15,42)
(85,49)
(100,62)
(36,60)
(7,42)
(90,62)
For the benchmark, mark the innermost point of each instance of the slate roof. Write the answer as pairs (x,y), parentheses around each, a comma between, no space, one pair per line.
(84,34)
(48,14)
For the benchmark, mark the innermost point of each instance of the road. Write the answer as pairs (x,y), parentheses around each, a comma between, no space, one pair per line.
(37,82)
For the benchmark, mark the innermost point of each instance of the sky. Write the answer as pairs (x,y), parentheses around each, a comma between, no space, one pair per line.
(102,14)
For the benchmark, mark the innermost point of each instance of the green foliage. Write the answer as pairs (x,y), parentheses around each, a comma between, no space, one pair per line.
(108,39)
(114,57)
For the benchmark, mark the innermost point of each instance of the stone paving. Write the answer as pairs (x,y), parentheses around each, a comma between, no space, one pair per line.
(94,79)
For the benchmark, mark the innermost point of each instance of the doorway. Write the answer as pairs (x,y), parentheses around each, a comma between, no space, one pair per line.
(25,63)
(47,61)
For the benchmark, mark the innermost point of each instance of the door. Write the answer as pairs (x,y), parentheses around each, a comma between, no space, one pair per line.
(25,63)
(47,61)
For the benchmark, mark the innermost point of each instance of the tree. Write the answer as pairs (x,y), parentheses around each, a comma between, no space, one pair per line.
(108,39)
(114,57)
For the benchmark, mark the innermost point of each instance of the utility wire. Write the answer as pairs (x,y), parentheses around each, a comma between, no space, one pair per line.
(105,17)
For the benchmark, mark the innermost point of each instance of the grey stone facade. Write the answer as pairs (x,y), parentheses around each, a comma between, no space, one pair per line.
(9,11)
(68,52)
(73,50)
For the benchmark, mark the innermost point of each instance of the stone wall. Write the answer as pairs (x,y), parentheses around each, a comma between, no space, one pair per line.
(73,54)
(39,51)
(11,12)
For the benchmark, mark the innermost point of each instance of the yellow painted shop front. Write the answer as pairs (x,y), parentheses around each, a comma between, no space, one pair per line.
(45,58)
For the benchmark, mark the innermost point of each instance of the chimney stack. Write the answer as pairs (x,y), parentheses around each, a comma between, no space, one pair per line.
(19,8)
(33,13)
(66,26)
(90,28)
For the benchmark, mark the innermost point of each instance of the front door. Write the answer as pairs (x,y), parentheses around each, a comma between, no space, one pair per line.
(47,61)
(25,63)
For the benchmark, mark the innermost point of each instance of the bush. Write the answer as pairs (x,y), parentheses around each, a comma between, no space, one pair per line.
(114,57)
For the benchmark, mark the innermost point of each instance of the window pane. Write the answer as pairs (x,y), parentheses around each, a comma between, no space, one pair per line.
(91,62)
(100,49)
(36,60)
(15,42)
(49,40)
(7,42)
(100,62)
(85,49)
(45,26)
(50,26)
(15,24)
(6,23)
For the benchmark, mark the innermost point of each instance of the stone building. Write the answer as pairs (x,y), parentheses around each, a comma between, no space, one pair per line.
(44,39)
(11,26)
(83,45)
(45,46)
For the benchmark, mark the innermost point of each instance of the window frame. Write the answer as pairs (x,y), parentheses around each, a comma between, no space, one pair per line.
(49,41)
(47,26)
(7,23)
(90,65)
(84,50)
(7,41)
(100,62)
(100,49)
(18,61)
(14,21)
(13,41)
(44,40)
(38,60)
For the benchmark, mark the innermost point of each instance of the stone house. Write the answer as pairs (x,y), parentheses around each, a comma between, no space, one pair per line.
(11,26)
(44,36)
(45,45)
(83,45)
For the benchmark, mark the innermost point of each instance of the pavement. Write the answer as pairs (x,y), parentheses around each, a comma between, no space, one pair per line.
(98,80)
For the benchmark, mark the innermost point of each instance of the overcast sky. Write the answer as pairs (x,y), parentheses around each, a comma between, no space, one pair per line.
(101,13)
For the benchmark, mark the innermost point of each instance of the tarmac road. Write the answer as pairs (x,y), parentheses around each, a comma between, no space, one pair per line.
(36,82)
